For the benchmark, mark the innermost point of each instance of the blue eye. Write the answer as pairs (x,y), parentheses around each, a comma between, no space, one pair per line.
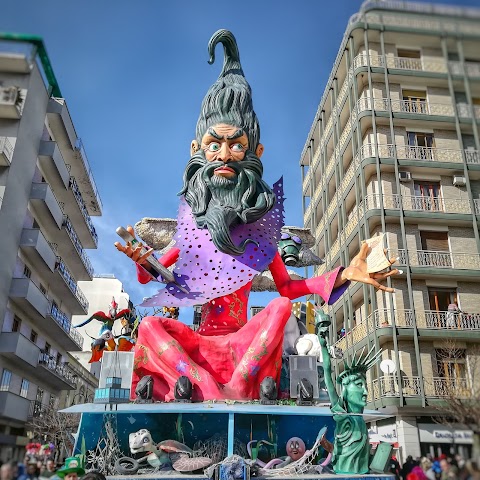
(237,147)
(214,147)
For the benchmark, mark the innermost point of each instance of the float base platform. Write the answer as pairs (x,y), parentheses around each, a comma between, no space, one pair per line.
(176,476)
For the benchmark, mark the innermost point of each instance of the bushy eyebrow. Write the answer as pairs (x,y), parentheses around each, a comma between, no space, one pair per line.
(213,133)
(237,134)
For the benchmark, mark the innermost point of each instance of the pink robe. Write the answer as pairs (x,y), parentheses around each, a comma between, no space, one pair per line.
(228,357)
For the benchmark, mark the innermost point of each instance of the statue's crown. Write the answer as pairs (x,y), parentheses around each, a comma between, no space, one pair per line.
(360,365)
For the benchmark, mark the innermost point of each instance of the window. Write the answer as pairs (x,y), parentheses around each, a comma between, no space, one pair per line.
(59,358)
(24,388)
(33,336)
(427,196)
(35,224)
(403,52)
(39,395)
(43,289)
(27,272)
(441,298)
(435,250)
(451,363)
(16,325)
(6,378)
(414,101)
(47,347)
(420,146)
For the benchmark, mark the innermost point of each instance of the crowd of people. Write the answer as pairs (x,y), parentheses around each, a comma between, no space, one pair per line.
(441,468)
(33,469)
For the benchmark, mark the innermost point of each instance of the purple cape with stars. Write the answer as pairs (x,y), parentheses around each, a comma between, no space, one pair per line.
(207,273)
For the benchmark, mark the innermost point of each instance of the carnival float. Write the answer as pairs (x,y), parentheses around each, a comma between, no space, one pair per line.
(236,397)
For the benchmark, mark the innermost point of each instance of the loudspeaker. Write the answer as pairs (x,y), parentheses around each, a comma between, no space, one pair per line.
(303,366)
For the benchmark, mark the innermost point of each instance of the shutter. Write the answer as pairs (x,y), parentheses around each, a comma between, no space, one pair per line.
(435,241)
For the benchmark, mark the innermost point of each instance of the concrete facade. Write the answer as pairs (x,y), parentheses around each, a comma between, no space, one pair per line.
(46,225)
(395,148)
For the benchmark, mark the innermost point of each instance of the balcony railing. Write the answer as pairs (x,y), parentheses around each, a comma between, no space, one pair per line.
(477,206)
(452,320)
(71,283)
(421,107)
(434,387)
(429,319)
(80,152)
(63,321)
(6,149)
(60,369)
(77,244)
(426,258)
(463,110)
(471,69)
(83,208)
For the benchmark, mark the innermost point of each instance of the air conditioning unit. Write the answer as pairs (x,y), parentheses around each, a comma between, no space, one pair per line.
(459,180)
(404,176)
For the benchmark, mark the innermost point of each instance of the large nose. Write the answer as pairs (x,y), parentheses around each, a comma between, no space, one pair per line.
(224,154)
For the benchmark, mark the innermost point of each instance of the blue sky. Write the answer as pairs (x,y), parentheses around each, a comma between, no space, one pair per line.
(134,74)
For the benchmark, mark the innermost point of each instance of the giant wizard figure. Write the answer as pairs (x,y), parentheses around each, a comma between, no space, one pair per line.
(228,225)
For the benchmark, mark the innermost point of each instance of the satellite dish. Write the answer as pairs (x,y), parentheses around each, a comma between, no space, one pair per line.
(388,366)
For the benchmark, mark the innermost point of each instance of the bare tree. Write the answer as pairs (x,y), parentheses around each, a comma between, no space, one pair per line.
(49,425)
(460,389)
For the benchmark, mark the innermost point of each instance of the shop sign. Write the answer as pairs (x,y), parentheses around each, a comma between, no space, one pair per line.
(443,434)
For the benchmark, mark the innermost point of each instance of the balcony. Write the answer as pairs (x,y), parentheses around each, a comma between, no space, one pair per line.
(477,206)
(65,335)
(429,65)
(70,247)
(11,102)
(434,387)
(7,145)
(94,202)
(53,165)
(464,111)
(37,250)
(28,296)
(407,107)
(68,290)
(470,69)
(74,153)
(430,320)
(13,406)
(77,211)
(440,260)
(16,57)
(19,349)
(47,206)
(59,375)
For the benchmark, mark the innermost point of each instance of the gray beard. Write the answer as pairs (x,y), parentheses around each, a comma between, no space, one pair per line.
(220,203)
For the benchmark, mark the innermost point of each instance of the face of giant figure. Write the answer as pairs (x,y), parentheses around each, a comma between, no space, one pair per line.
(223,184)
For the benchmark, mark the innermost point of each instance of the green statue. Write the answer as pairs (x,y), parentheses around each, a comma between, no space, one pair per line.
(351,448)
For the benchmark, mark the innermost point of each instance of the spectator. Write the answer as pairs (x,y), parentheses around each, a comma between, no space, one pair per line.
(6,472)
(407,467)
(14,465)
(452,313)
(416,474)
(71,470)
(49,470)
(31,471)
(395,467)
(426,465)
(94,476)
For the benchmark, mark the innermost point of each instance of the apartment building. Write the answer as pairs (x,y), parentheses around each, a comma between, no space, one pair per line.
(47,198)
(395,148)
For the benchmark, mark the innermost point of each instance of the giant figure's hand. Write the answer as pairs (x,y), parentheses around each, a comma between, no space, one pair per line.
(134,251)
(357,271)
